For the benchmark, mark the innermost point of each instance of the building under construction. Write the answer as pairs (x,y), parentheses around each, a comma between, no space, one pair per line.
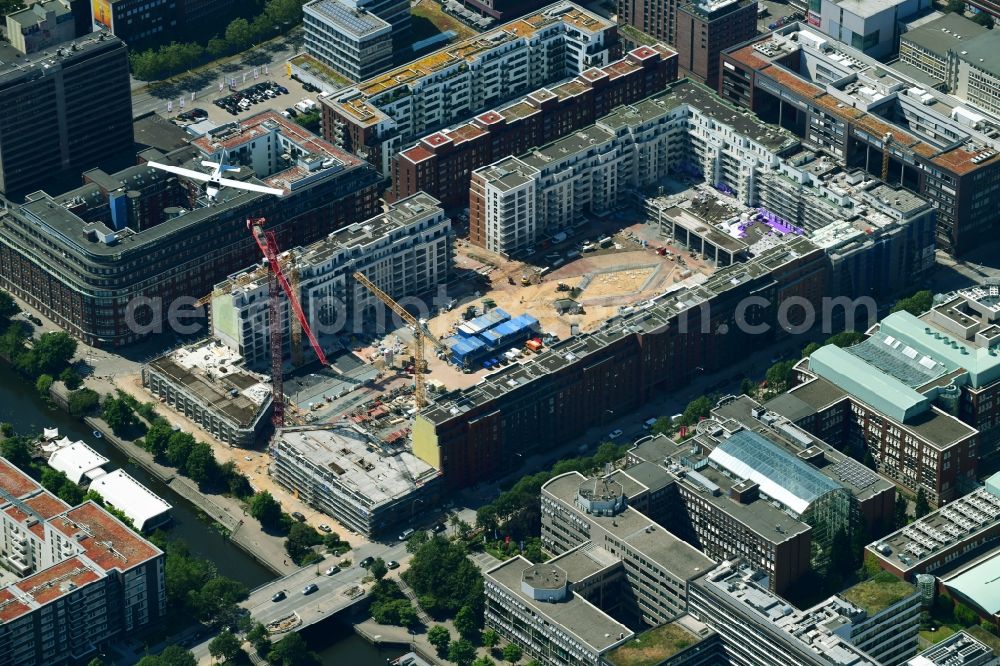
(106,261)
(362,484)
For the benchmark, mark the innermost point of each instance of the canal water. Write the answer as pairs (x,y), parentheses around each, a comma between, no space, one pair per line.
(21,406)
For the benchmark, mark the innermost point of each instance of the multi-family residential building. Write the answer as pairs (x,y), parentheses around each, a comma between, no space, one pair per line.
(750,484)
(41,25)
(378,117)
(873,623)
(342,472)
(870,26)
(957,53)
(955,533)
(350,39)
(206,383)
(108,261)
(405,251)
(440,163)
(50,126)
(475,433)
(82,579)
(708,27)
(685,128)
(838,99)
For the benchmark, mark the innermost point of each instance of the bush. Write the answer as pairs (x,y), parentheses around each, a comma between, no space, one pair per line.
(83,402)
(71,378)
(43,384)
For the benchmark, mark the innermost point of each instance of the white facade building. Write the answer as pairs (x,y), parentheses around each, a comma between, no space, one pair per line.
(870,26)
(351,40)
(406,251)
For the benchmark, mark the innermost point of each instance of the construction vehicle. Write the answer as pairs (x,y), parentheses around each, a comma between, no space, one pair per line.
(562,286)
(277,282)
(420,333)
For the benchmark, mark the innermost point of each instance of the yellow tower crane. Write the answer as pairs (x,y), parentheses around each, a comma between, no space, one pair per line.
(420,332)
(886,141)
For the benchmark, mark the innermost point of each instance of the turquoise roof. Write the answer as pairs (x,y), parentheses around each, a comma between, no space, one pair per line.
(980,585)
(983,364)
(867,383)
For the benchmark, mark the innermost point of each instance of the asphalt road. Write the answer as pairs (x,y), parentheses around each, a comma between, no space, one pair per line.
(205,82)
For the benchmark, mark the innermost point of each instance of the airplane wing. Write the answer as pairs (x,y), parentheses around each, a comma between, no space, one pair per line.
(228,182)
(180,171)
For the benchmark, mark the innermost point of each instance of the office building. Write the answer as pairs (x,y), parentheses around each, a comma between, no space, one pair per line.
(476,433)
(54,123)
(839,100)
(870,26)
(380,116)
(685,128)
(109,260)
(960,649)
(751,484)
(658,566)
(708,27)
(933,544)
(958,54)
(137,21)
(82,579)
(348,38)
(348,476)
(405,251)
(207,383)
(657,18)
(759,628)
(41,25)
(440,163)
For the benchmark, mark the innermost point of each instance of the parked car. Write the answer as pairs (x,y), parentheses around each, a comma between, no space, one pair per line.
(405,534)
(310,588)
(367,562)
(332,571)
(278,596)
(392,564)
(325,528)
(615,434)
(440,527)
(298,516)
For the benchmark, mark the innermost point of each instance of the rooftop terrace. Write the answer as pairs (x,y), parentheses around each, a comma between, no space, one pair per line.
(654,646)
(876,594)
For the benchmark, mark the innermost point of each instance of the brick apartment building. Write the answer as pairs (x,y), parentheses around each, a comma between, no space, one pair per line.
(441,163)
(705,29)
(476,433)
(144,234)
(840,100)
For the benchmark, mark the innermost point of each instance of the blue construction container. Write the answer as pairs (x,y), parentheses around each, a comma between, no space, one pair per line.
(465,350)
(483,323)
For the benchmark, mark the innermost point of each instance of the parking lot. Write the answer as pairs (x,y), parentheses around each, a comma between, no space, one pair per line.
(244,100)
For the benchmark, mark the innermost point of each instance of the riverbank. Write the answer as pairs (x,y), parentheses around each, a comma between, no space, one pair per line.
(386,635)
(242,529)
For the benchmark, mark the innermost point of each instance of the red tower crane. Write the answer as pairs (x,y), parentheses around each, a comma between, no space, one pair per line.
(277,282)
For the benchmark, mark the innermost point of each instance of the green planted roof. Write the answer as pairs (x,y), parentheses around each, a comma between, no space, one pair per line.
(652,647)
(875,595)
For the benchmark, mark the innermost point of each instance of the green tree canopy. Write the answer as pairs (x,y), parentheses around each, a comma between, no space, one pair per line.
(378,569)
(292,650)
(512,653)
(468,623)
(921,507)
(8,306)
(43,384)
(83,402)
(917,304)
(172,655)
(439,637)
(52,352)
(118,414)
(845,338)
(201,465)
(179,447)
(461,652)
(267,510)
(225,646)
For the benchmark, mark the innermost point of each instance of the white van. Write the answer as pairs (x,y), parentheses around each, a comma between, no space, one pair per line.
(649,423)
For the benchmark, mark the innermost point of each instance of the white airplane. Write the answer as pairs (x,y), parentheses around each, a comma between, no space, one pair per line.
(214,181)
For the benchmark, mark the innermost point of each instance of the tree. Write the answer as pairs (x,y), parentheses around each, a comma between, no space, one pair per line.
(8,306)
(17,450)
(916,305)
(461,652)
(809,349)
(512,653)
(260,639)
(965,615)
(378,569)
(663,426)
(96,661)
(292,650)
(118,414)
(845,338)
(490,638)
(747,386)
(696,410)
(467,624)
(984,19)
(52,352)
(900,517)
(267,510)
(83,402)
(43,384)
(441,573)
(173,655)
(201,465)
(416,540)
(179,448)
(779,374)
(71,378)
(225,646)
(535,662)
(922,507)
(216,601)
(439,637)
(217,47)
(301,539)
(956,6)
(484,661)
(238,34)
(157,438)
